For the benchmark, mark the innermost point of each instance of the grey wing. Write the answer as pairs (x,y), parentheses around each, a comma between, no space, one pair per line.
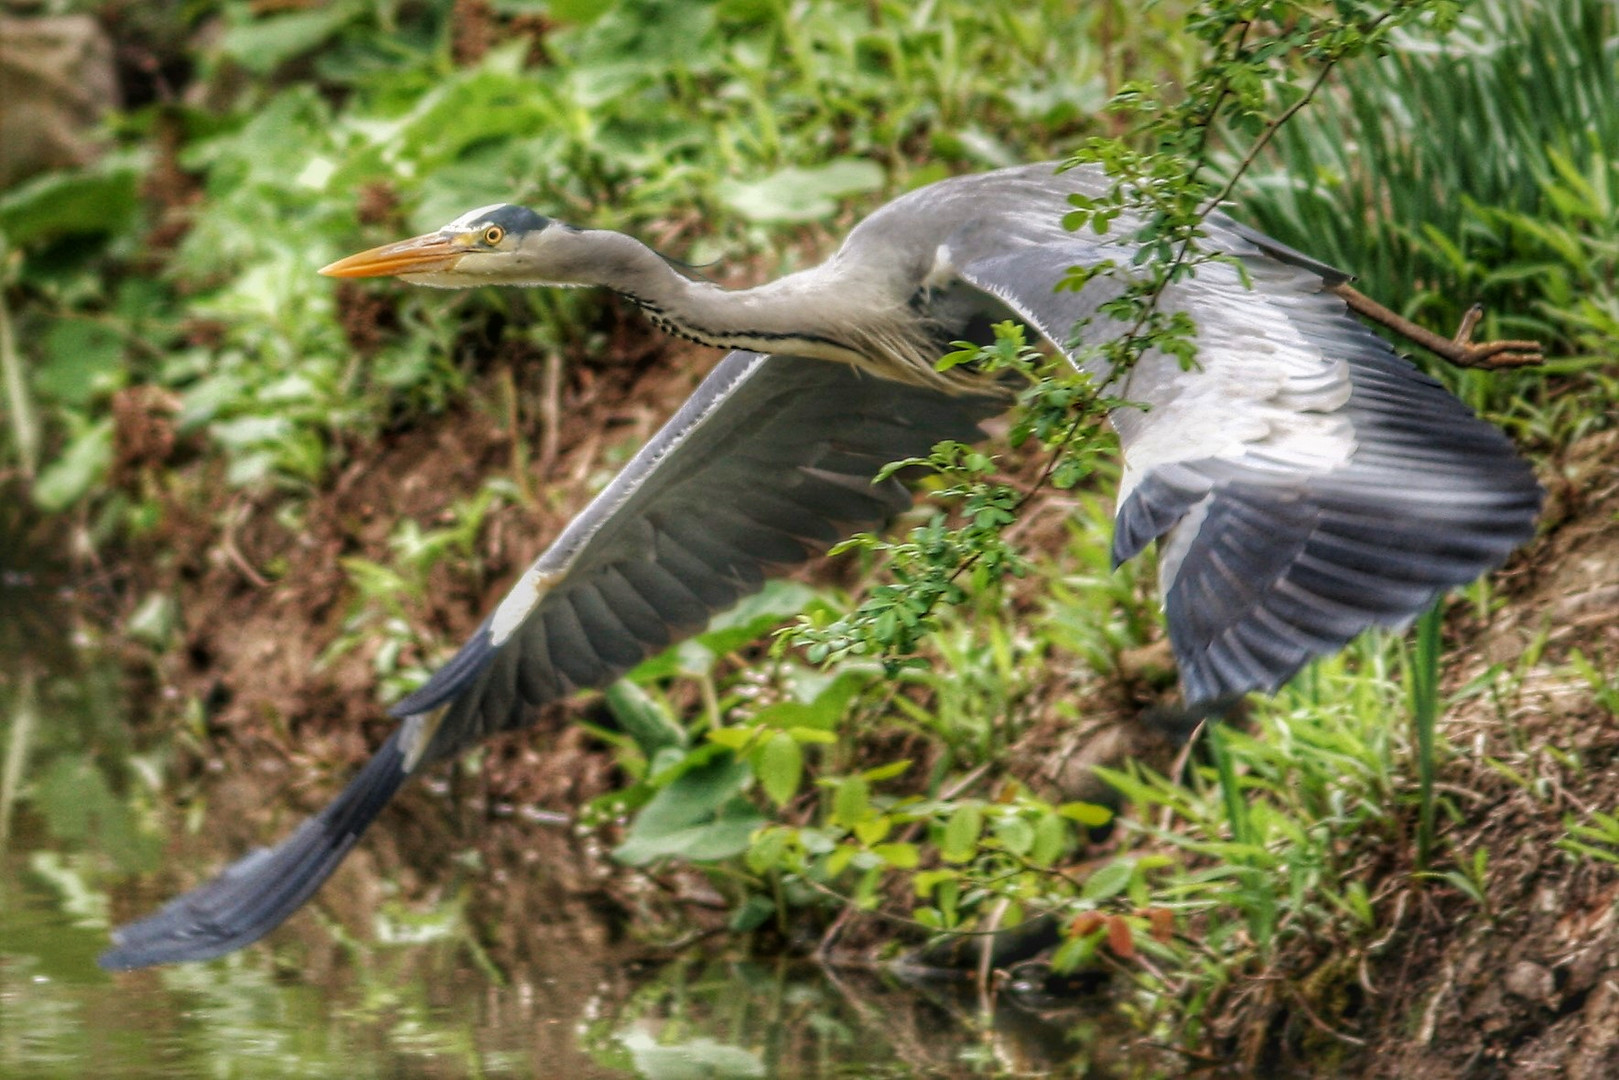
(769,463)
(1304,482)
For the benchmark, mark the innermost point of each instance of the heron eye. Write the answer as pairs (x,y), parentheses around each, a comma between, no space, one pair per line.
(493,235)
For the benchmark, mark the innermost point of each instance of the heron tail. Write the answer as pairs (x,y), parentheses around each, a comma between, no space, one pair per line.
(256,893)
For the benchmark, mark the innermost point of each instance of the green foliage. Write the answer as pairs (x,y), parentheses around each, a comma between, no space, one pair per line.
(1422,680)
(927,569)
(386,595)
(618,114)
(1264,848)
(869,783)
(1520,218)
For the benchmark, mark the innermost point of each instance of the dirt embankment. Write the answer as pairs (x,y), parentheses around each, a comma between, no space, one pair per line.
(1527,985)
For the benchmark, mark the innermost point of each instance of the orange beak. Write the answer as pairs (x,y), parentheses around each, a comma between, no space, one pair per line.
(418,255)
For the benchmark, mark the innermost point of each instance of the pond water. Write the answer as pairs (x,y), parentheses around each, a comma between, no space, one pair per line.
(87,833)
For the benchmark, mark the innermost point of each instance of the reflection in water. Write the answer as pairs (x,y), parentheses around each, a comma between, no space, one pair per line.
(420,996)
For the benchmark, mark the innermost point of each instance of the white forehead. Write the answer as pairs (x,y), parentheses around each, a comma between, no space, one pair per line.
(474,217)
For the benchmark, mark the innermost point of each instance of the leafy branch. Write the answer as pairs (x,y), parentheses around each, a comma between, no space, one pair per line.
(1267,58)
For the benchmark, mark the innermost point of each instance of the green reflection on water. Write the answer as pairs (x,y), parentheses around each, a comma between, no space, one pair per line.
(420,996)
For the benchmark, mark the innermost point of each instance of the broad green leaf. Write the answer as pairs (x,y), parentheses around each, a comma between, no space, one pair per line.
(83,360)
(838,861)
(767,849)
(873,829)
(733,738)
(779,764)
(783,714)
(1086,813)
(886,772)
(961,832)
(797,194)
(830,694)
(81,467)
(852,802)
(1050,840)
(262,45)
(697,816)
(755,616)
(1075,952)
(642,718)
(61,204)
(753,913)
(923,884)
(1015,834)
(726,836)
(900,856)
(1109,880)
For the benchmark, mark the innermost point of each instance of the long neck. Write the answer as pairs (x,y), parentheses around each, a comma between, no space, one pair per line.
(810,313)
(763,318)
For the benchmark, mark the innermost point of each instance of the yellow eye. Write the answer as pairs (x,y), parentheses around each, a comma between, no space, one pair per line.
(494,235)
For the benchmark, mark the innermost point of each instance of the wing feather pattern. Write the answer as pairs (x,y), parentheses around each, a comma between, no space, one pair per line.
(769,463)
(1305,484)
(256,893)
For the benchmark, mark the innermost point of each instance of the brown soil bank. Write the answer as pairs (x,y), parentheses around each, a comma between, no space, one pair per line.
(1524,984)
(1528,984)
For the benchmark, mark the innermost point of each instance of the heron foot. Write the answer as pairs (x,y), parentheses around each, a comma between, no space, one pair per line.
(1492,355)
(1460,350)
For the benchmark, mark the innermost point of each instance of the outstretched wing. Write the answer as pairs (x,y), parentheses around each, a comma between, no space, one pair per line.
(256,893)
(1304,482)
(768,464)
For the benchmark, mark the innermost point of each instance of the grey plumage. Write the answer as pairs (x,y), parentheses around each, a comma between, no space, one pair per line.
(1305,484)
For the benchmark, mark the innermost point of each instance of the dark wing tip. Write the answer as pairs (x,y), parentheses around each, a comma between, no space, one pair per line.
(257,893)
(449,681)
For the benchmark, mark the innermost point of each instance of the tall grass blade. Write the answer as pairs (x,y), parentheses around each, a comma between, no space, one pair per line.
(24,426)
(24,715)
(1424,689)
(1236,805)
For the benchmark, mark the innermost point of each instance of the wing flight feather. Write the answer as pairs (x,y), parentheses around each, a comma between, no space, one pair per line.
(1304,483)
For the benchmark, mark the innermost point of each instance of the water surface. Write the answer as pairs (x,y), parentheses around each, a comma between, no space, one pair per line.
(95,836)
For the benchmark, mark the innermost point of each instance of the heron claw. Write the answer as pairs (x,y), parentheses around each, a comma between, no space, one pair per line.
(1491,355)
(1459,350)
(1498,355)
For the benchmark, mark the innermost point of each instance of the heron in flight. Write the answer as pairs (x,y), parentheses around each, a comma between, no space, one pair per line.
(1303,483)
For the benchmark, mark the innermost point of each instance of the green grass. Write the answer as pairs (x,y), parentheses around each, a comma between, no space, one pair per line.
(731,121)
(750,132)
(1479,168)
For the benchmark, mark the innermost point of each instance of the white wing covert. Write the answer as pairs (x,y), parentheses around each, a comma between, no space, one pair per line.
(1304,481)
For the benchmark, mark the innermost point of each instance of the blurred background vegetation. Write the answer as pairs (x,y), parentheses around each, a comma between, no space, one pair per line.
(207,442)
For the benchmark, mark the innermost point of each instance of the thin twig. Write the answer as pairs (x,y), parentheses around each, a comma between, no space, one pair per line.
(227,543)
(551,411)
(23,421)
(986,958)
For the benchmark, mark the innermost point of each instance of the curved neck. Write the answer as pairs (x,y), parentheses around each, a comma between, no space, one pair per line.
(788,315)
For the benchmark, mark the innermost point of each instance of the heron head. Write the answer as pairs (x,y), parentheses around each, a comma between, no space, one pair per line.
(492,245)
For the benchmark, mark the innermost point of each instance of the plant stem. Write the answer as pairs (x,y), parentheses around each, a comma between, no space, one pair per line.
(1230,790)
(20,404)
(1424,678)
(25,713)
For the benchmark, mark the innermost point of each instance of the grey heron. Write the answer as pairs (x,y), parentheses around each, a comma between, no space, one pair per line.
(1303,484)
